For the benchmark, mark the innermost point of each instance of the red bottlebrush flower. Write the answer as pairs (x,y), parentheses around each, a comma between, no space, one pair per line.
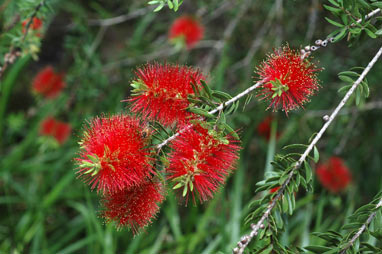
(201,160)
(161,91)
(114,155)
(134,207)
(35,25)
(288,79)
(264,128)
(334,175)
(273,190)
(188,29)
(62,132)
(54,128)
(48,83)
(48,126)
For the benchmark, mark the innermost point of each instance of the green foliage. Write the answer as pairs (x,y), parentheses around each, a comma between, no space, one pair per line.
(350,19)
(368,216)
(362,91)
(172,4)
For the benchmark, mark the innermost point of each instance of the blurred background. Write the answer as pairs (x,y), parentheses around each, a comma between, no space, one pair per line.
(95,46)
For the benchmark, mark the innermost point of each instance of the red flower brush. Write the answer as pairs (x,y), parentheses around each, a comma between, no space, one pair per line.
(36,24)
(57,129)
(134,207)
(201,160)
(334,175)
(160,92)
(187,29)
(48,83)
(288,79)
(264,128)
(114,154)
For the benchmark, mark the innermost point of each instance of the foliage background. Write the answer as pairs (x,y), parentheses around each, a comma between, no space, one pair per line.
(44,209)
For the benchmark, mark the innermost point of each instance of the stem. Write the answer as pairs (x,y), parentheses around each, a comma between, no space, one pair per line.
(361,229)
(15,53)
(217,109)
(243,243)
(306,51)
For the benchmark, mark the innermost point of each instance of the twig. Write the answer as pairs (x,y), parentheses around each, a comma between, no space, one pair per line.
(159,53)
(361,229)
(312,20)
(307,50)
(258,40)
(346,134)
(227,34)
(217,109)
(14,53)
(368,106)
(243,243)
(120,19)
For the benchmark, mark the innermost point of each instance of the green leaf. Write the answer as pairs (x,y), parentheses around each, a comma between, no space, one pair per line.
(317,248)
(332,9)
(341,34)
(206,89)
(357,95)
(170,4)
(348,73)
(316,154)
(333,2)
(177,186)
(185,190)
(201,112)
(370,33)
(378,32)
(334,22)
(308,171)
(346,79)
(230,131)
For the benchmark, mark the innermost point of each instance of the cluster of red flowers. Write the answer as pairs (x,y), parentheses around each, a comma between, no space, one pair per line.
(48,83)
(186,30)
(56,129)
(117,157)
(334,175)
(288,79)
(35,25)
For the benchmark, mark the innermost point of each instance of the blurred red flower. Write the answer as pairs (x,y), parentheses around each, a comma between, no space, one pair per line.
(334,175)
(35,25)
(201,160)
(188,29)
(114,154)
(160,92)
(264,128)
(57,129)
(273,190)
(133,207)
(288,79)
(48,83)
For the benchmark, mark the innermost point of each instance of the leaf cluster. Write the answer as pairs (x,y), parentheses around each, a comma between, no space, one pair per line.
(172,4)
(205,99)
(368,216)
(350,19)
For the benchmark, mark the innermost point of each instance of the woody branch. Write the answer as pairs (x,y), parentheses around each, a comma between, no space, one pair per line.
(244,241)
